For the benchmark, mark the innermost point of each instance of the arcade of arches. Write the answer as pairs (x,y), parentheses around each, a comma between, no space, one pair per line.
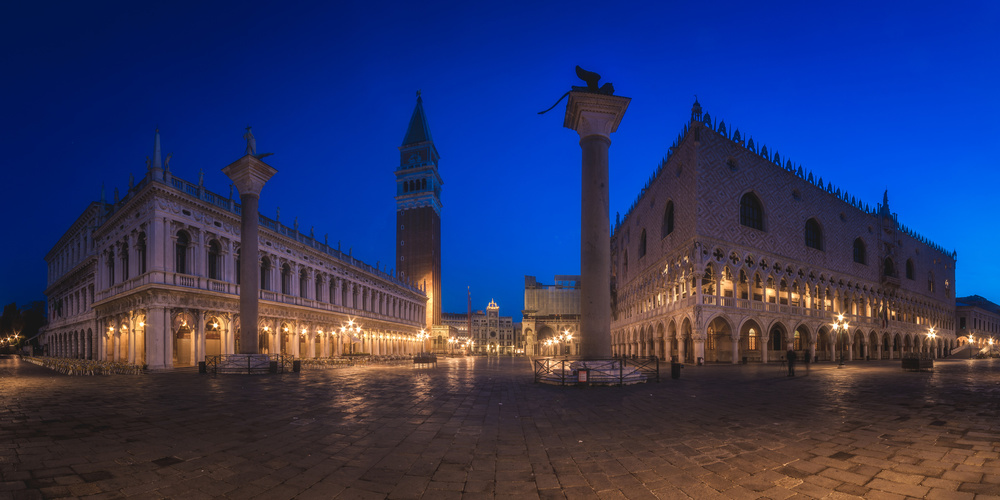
(195,334)
(759,316)
(726,341)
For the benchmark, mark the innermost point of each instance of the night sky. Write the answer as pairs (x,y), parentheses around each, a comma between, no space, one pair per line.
(867,95)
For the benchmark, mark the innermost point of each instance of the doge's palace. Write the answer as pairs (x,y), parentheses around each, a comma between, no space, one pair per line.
(151,278)
(731,254)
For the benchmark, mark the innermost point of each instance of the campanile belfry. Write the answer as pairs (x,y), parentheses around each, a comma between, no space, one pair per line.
(418,212)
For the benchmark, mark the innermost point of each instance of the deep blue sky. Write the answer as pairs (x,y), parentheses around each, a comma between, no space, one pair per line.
(866,96)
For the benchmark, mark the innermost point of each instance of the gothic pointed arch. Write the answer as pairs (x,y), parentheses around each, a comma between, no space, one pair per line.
(667,226)
(860,251)
(751,211)
(814,234)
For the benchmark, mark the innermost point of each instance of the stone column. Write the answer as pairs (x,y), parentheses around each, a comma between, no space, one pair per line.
(736,349)
(199,343)
(249,175)
(699,349)
(595,117)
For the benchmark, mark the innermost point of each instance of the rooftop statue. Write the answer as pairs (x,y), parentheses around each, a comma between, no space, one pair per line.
(591,79)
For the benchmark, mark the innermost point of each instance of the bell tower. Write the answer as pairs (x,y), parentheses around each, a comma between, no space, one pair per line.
(418,212)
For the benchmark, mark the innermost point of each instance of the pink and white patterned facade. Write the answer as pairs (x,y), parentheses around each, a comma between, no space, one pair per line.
(728,255)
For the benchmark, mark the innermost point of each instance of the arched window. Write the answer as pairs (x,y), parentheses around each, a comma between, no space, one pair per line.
(406,187)
(668,220)
(180,252)
(265,274)
(752,340)
(814,236)
(859,251)
(140,250)
(111,266)
(423,183)
(214,260)
(909,269)
(930,281)
(888,268)
(642,244)
(751,212)
(124,257)
(286,279)
(776,340)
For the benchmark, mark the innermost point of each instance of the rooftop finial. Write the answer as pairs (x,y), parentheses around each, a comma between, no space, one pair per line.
(696,110)
(418,93)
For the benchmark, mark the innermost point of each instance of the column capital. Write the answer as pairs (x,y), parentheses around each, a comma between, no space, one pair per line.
(594,114)
(249,174)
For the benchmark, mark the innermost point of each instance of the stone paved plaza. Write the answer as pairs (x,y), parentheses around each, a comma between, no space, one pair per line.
(479,428)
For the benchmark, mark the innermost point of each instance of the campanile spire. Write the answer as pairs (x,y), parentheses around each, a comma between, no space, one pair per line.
(418,211)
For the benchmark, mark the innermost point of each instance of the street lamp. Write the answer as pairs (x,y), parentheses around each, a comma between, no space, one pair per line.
(422,337)
(930,337)
(991,346)
(841,326)
(971,340)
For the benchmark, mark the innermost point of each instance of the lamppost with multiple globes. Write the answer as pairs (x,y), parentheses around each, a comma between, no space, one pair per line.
(558,341)
(841,326)
(971,344)
(422,337)
(350,330)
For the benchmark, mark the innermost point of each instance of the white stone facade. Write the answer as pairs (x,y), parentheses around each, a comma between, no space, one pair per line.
(728,254)
(151,279)
(492,333)
(551,310)
(979,321)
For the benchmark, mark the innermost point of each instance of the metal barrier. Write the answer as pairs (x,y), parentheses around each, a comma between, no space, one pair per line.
(250,364)
(620,370)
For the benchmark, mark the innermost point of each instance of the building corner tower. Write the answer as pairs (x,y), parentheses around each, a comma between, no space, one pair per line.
(418,212)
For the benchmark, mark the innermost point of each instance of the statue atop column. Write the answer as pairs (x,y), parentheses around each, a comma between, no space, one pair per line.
(251,142)
(591,79)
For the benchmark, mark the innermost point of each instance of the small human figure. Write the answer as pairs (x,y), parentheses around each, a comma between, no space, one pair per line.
(807,360)
(791,362)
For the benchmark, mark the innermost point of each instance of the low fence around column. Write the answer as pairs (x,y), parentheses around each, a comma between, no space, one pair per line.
(561,370)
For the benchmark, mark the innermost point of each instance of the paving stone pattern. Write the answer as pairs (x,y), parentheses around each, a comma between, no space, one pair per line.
(478,428)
